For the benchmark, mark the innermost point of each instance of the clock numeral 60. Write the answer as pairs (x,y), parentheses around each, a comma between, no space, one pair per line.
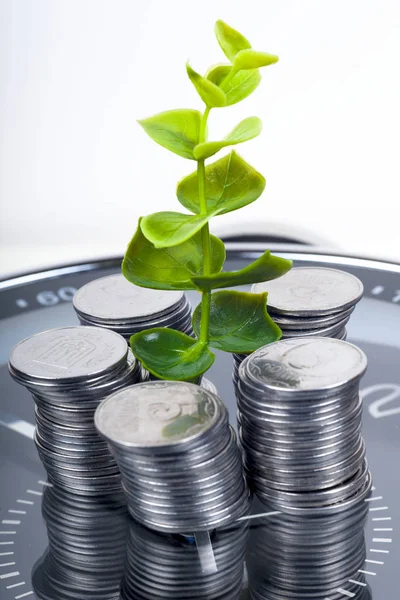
(50,298)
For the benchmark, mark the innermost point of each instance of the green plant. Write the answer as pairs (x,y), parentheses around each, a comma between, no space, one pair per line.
(175,251)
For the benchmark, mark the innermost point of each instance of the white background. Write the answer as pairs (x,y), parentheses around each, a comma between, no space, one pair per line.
(76,170)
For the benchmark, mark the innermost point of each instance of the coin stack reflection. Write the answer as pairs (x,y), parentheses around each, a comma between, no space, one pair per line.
(308,556)
(309,302)
(114,303)
(180,464)
(69,371)
(87,547)
(161,566)
(300,419)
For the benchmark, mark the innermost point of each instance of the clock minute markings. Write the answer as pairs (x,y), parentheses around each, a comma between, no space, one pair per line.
(21,303)
(378,289)
(18,425)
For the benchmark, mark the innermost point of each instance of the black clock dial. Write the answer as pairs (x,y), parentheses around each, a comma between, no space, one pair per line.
(286,558)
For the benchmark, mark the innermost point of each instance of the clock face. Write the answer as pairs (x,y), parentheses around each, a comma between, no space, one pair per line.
(354,554)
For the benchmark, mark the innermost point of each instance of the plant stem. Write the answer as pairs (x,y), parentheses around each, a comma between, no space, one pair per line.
(205,236)
(203,125)
(227,79)
(205,231)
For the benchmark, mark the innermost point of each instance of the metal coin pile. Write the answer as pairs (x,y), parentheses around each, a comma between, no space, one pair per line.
(114,303)
(294,557)
(312,301)
(180,464)
(87,547)
(160,566)
(309,302)
(69,371)
(300,418)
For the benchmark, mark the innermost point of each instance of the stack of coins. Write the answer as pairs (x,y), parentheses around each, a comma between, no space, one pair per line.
(159,566)
(69,371)
(114,303)
(315,556)
(312,301)
(180,465)
(309,302)
(300,418)
(87,547)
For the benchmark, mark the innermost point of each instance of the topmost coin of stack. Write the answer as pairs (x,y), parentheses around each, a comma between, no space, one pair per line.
(312,301)
(114,303)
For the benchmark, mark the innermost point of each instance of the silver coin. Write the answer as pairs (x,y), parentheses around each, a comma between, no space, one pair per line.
(158,413)
(68,354)
(173,320)
(181,313)
(331,331)
(88,394)
(116,299)
(329,501)
(308,323)
(164,463)
(311,291)
(194,522)
(316,363)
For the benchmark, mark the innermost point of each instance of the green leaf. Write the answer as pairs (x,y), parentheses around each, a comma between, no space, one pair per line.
(177,130)
(170,354)
(210,93)
(265,268)
(169,268)
(251,59)
(246,130)
(230,40)
(239,87)
(239,322)
(231,183)
(166,229)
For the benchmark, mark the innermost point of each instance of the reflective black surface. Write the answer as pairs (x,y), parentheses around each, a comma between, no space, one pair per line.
(84,554)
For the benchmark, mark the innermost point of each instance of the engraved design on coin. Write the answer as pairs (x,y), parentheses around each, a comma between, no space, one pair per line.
(65,353)
(311,290)
(164,412)
(312,364)
(275,373)
(113,297)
